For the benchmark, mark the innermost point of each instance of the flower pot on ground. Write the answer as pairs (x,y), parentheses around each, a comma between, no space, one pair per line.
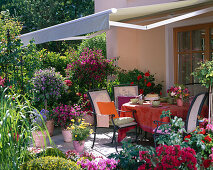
(63,114)
(50,126)
(39,138)
(79,145)
(67,134)
(80,132)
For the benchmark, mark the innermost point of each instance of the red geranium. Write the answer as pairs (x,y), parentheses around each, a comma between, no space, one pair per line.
(148,84)
(206,163)
(187,137)
(139,77)
(68,82)
(202,132)
(208,139)
(132,83)
(141,91)
(147,74)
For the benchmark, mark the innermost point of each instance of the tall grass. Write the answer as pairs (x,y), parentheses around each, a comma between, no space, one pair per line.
(15,130)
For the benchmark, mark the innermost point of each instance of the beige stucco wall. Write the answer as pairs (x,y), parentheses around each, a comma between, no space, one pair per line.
(143,50)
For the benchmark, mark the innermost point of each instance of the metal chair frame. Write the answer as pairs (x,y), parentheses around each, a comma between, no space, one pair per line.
(158,123)
(115,127)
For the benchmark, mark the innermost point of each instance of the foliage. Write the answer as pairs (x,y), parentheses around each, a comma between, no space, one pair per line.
(176,129)
(204,73)
(81,131)
(89,161)
(63,114)
(50,163)
(97,43)
(41,14)
(39,119)
(15,129)
(178,91)
(48,86)
(145,81)
(129,158)
(54,152)
(90,70)
(169,157)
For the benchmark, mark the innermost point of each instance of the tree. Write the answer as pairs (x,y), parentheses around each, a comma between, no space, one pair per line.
(38,14)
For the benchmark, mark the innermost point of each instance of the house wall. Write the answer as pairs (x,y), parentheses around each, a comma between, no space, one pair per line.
(101,5)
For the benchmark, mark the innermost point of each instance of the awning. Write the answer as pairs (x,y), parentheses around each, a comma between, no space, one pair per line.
(100,22)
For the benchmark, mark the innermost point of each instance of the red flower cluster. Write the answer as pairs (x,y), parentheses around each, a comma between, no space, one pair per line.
(139,77)
(148,84)
(208,139)
(68,82)
(186,138)
(147,74)
(169,157)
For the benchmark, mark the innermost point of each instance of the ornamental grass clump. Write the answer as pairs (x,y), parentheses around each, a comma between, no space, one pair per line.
(80,130)
(48,86)
(63,114)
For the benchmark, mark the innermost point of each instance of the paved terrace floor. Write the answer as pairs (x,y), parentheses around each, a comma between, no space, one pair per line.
(103,146)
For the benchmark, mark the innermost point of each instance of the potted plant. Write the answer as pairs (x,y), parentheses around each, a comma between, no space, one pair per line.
(63,114)
(39,134)
(204,74)
(80,132)
(179,92)
(48,86)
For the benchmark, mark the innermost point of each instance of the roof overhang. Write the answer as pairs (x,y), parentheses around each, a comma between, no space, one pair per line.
(100,22)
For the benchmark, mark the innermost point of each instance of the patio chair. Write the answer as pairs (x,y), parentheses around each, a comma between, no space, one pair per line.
(103,109)
(126,91)
(191,121)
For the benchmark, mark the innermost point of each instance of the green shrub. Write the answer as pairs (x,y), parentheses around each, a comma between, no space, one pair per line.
(145,81)
(50,163)
(98,43)
(55,152)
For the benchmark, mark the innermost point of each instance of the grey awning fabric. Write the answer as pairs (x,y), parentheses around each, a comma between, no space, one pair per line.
(92,23)
(101,21)
(124,14)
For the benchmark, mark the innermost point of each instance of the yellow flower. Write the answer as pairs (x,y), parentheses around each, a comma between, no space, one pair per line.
(72,120)
(76,136)
(91,131)
(72,127)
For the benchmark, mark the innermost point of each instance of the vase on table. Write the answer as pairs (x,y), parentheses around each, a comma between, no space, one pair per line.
(79,145)
(39,138)
(179,102)
(67,135)
(50,126)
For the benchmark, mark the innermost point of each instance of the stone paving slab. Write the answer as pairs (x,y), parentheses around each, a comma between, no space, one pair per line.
(103,146)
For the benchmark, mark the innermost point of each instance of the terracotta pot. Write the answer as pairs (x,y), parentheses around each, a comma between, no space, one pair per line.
(50,126)
(179,102)
(79,145)
(89,119)
(39,138)
(67,135)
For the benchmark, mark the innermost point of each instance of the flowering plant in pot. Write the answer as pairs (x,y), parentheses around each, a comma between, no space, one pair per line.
(80,132)
(39,127)
(63,114)
(48,86)
(179,92)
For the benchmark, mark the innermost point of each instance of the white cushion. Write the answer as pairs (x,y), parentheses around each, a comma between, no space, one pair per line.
(122,121)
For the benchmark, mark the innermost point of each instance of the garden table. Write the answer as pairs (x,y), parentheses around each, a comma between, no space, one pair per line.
(145,114)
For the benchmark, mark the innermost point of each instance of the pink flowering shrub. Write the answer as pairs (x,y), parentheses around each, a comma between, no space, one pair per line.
(2,81)
(169,157)
(63,114)
(90,162)
(89,69)
(101,164)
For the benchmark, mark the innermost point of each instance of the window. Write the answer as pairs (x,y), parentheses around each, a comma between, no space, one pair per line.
(192,44)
